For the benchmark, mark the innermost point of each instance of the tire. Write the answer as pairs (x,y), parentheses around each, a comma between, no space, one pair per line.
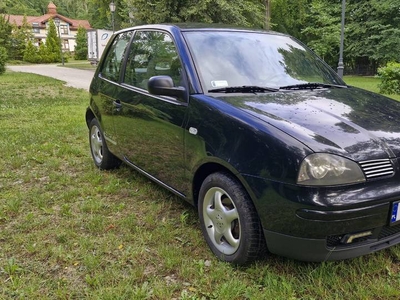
(102,157)
(229,221)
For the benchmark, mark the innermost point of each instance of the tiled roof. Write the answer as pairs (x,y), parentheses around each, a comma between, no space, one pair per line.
(42,20)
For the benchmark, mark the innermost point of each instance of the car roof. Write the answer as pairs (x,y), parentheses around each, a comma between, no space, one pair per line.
(186,27)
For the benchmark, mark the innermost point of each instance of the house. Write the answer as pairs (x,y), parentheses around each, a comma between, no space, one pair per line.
(66,27)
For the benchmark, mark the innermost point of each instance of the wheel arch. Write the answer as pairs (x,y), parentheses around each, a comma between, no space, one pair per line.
(89,116)
(213,167)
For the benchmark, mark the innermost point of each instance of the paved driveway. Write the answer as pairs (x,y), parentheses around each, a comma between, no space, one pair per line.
(72,77)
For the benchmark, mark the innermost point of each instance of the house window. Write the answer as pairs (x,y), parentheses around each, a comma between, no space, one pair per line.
(65,44)
(35,28)
(64,29)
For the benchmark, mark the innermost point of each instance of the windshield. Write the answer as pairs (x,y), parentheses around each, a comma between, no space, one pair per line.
(236,58)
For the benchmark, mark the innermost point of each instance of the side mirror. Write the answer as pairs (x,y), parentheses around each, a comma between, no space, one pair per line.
(164,86)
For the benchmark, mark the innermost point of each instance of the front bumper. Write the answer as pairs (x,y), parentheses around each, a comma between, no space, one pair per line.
(318,250)
(318,224)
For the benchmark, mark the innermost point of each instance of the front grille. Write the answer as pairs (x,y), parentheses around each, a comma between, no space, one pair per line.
(386,231)
(377,168)
(333,240)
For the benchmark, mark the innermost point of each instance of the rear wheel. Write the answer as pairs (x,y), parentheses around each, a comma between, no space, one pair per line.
(102,157)
(229,221)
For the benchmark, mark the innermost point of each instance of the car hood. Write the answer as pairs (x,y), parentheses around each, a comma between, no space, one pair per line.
(347,121)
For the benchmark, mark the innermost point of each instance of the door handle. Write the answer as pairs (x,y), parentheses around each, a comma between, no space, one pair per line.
(117,104)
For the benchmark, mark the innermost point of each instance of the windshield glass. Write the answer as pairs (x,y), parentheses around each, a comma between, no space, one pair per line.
(236,58)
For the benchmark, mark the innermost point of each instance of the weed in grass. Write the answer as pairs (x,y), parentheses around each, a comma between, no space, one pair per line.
(184,218)
(11,268)
(65,210)
(13,205)
(95,224)
(91,205)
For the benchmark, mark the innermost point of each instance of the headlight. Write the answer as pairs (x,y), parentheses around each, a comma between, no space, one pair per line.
(328,169)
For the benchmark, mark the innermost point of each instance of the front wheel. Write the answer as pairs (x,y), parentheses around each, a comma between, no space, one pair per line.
(229,221)
(102,157)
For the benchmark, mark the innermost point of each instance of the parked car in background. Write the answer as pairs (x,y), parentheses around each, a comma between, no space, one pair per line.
(274,149)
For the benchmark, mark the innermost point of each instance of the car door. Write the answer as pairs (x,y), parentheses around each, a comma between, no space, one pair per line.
(149,128)
(106,85)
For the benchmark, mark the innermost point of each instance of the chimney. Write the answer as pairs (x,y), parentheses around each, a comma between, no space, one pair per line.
(51,9)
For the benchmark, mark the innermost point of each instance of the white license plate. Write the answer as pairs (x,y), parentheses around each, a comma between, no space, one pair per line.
(395,216)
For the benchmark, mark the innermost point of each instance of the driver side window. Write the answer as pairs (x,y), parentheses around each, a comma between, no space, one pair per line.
(152,53)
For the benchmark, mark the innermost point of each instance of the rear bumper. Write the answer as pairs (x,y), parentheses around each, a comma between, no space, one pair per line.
(317,250)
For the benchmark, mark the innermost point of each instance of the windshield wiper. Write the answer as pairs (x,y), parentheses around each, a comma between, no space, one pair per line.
(311,86)
(243,89)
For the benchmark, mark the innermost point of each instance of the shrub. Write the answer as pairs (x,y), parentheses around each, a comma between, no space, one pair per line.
(31,53)
(46,56)
(3,59)
(390,76)
(81,48)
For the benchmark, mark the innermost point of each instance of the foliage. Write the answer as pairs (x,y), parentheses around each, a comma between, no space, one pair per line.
(390,76)
(238,12)
(372,29)
(289,16)
(31,53)
(99,14)
(5,32)
(323,31)
(81,48)
(45,56)
(372,36)
(50,52)
(19,39)
(53,43)
(373,32)
(3,59)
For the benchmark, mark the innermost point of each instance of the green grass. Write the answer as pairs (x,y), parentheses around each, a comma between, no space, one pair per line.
(80,64)
(70,231)
(367,83)
(69,63)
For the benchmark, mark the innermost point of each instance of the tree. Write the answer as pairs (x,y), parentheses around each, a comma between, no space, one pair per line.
(374,31)
(45,56)
(53,44)
(100,16)
(19,39)
(3,59)
(289,16)
(237,12)
(31,53)
(5,32)
(81,48)
(323,30)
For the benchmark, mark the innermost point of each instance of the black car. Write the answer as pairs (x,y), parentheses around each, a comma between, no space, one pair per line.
(255,130)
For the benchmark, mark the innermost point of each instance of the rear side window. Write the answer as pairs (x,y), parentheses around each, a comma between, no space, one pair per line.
(112,64)
(152,53)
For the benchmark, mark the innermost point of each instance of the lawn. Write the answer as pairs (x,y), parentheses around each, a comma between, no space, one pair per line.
(368,83)
(80,64)
(70,231)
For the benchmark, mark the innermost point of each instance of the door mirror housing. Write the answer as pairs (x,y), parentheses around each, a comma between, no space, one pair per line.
(164,86)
